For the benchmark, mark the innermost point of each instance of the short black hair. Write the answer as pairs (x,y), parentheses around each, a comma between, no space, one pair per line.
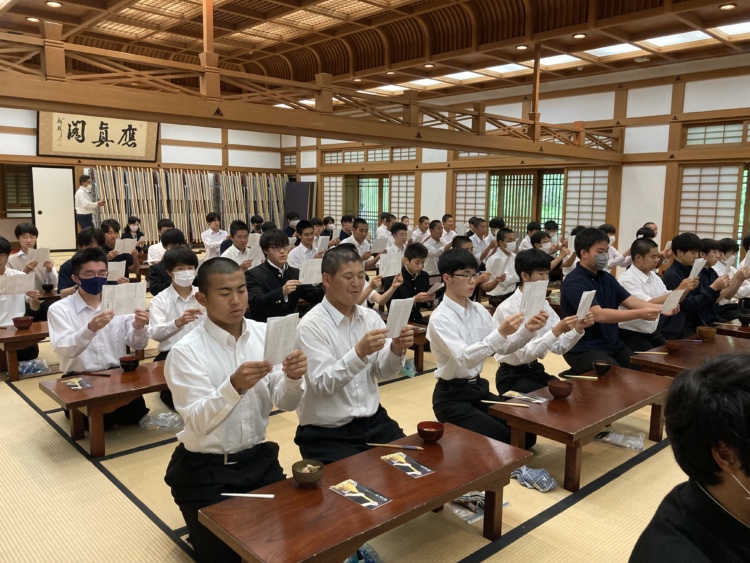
(217,265)
(302,225)
(608,228)
(404,217)
(211,217)
(502,232)
(179,256)
(434,223)
(267,226)
(88,236)
(273,237)
(172,237)
(577,229)
(532,260)
(256,220)
(316,222)
(85,256)
(645,232)
(327,220)
(4,246)
(347,218)
(292,215)
(706,407)
(533,226)
(415,251)
(537,237)
(83,178)
(108,224)
(237,226)
(588,237)
(132,220)
(685,242)
(385,216)
(476,221)
(357,222)
(728,245)
(709,244)
(642,246)
(497,223)
(423,218)
(456,259)
(398,226)
(337,256)
(647,223)
(746,242)
(550,225)
(446,217)
(458,240)
(164,224)
(26,229)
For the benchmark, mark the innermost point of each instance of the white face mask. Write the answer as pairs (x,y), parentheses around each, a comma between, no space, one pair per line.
(729,261)
(511,246)
(293,224)
(612,239)
(134,228)
(546,246)
(184,278)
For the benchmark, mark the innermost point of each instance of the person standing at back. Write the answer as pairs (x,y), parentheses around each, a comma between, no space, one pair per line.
(85,204)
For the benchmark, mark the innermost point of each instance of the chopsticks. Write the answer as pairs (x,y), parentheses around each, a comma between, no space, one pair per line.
(591,377)
(76,373)
(246,495)
(505,403)
(397,447)
(655,353)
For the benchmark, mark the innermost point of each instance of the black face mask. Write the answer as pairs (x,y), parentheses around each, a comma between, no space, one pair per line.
(92,286)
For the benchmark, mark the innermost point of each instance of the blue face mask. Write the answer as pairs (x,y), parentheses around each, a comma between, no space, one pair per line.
(92,286)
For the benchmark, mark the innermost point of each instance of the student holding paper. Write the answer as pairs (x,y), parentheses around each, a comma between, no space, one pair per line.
(462,336)
(435,246)
(213,236)
(501,266)
(348,353)
(730,308)
(641,280)
(415,284)
(359,239)
(521,370)
(601,341)
(23,260)
(274,288)
(133,231)
(482,248)
(305,250)
(239,234)
(111,230)
(384,230)
(85,338)
(615,258)
(225,391)
(422,232)
(87,238)
(158,277)
(449,224)
(399,238)
(541,241)
(686,248)
(711,254)
(15,305)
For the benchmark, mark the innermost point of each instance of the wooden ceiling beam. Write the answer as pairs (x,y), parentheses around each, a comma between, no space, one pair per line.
(696,24)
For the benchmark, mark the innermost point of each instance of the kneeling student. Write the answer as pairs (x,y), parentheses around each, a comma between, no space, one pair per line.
(521,371)
(462,336)
(225,392)
(12,306)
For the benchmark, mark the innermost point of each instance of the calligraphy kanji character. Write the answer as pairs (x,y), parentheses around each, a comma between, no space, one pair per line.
(128,136)
(103,135)
(77,130)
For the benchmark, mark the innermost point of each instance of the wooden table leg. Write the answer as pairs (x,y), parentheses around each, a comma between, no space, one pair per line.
(493,513)
(12,357)
(96,431)
(76,424)
(656,427)
(517,437)
(3,361)
(419,357)
(573,468)
(439,508)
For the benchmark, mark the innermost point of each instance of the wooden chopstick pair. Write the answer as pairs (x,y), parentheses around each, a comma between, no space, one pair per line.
(397,447)
(505,403)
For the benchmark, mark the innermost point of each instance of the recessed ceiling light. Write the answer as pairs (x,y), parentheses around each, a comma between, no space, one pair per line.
(429,65)
(32,20)
(521,47)
(54,4)
(727,6)
(356,80)
(579,36)
(391,72)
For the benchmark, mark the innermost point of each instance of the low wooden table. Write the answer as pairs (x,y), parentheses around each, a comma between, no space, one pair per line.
(692,354)
(316,524)
(420,339)
(577,419)
(13,339)
(106,395)
(50,296)
(727,329)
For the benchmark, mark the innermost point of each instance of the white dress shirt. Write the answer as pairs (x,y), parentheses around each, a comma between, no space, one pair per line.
(643,286)
(511,277)
(341,386)
(81,349)
(568,269)
(212,241)
(233,253)
(435,249)
(12,305)
(448,235)
(84,201)
(41,276)
(544,340)
(525,244)
(616,259)
(384,232)
(361,248)
(418,236)
(462,338)
(166,308)
(155,253)
(217,418)
(744,290)
(479,244)
(300,254)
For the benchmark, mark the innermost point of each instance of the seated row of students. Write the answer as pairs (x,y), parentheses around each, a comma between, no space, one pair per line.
(19,305)
(46,273)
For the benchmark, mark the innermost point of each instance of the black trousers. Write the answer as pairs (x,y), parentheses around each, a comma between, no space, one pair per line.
(129,414)
(85,221)
(639,341)
(731,311)
(524,379)
(459,401)
(197,480)
(582,362)
(28,353)
(332,444)
(166,394)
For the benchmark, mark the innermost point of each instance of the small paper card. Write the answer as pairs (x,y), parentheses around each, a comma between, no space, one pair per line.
(412,468)
(398,316)
(499,261)
(253,240)
(292,241)
(364,496)
(281,333)
(17,285)
(310,271)
(124,298)
(379,245)
(697,267)
(419,236)
(437,286)
(125,245)
(116,270)
(40,256)
(534,295)
(572,243)
(524,397)
(323,241)
(390,264)
(587,297)
(77,383)
(672,301)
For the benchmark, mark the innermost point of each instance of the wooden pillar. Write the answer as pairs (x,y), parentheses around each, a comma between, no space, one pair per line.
(479,121)
(534,114)
(324,97)
(211,79)
(411,108)
(53,57)
(208,26)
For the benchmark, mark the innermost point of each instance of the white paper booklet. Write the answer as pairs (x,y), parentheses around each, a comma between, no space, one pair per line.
(323,241)
(379,245)
(281,333)
(310,271)
(587,297)
(672,301)
(125,245)
(116,270)
(390,264)
(534,295)
(124,298)
(697,267)
(16,285)
(437,286)
(398,316)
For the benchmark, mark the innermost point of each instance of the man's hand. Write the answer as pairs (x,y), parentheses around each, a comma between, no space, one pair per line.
(742,274)
(377,281)
(295,365)
(672,312)
(584,323)
(248,374)
(510,324)
(423,297)
(398,280)
(537,322)
(372,342)
(123,280)
(112,254)
(188,317)
(33,294)
(48,265)
(319,254)
(290,287)
(722,282)
(366,256)
(30,267)
(565,325)
(246,264)
(483,277)
(564,251)
(689,284)
(140,319)
(648,313)
(502,278)
(404,341)
(100,320)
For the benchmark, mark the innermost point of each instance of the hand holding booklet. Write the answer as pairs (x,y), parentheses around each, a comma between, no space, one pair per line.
(398,316)
(534,295)
(587,297)
(281,334)
(379,245)
(124,298)
(672,301)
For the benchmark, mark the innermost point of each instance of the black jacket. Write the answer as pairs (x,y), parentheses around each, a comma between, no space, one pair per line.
(266,296)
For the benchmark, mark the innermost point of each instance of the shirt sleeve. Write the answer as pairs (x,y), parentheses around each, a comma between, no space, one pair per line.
(67,338)
(286,393)
(161,327)
(136,338)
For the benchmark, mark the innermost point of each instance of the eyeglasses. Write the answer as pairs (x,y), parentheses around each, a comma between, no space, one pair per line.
(473,276)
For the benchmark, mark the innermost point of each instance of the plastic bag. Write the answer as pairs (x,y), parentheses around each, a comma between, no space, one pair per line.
(30,367)
(365,554)
(165,421)
(409,370)
(621,440)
